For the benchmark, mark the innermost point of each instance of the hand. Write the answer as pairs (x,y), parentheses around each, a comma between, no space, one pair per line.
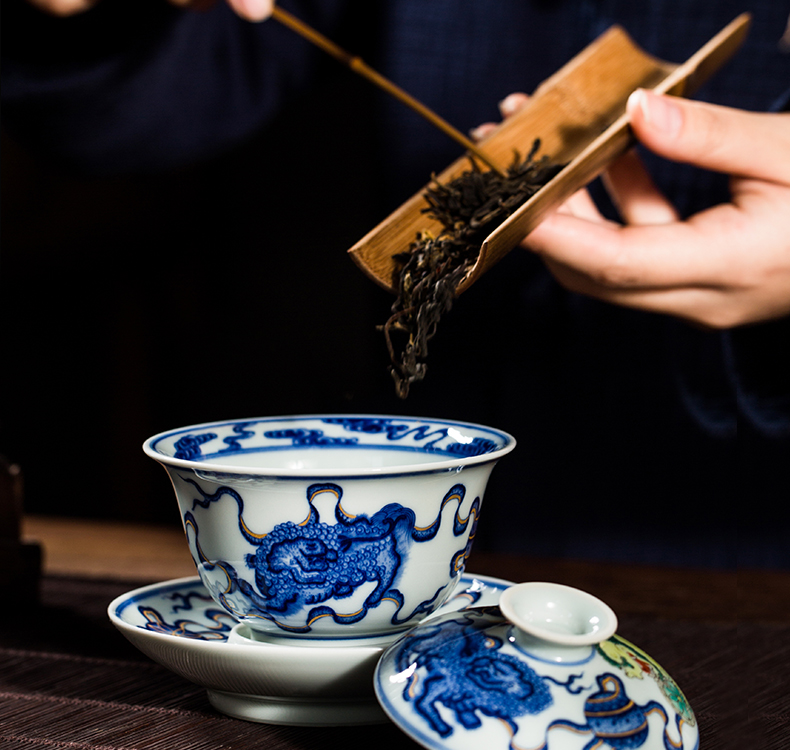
(63,7)
(251,10)
(725,266)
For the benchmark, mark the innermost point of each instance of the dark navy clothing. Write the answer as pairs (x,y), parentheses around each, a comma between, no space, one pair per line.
(140,85)
(640,437)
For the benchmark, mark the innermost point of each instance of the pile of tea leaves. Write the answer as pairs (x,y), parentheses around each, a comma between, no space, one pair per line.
(469,208)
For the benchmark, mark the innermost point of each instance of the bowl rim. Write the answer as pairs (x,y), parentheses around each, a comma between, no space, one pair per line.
(446,463)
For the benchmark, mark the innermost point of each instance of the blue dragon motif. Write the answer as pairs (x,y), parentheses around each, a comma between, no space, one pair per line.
(301,566)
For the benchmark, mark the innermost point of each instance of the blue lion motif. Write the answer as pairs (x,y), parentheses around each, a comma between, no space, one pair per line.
(304,564)
(301,566)
(458,663)
(466,672)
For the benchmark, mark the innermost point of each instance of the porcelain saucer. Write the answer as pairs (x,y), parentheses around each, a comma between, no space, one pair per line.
(177,624)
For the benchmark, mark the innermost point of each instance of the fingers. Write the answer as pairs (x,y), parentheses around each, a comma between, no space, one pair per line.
(512,103)
(596,261)
(507,107)
(482,131)
(63,7)
(722,267)
(634,193)
(726,266)
(719,138)
(196,5)
(611,257)
(711,307)
(582,206)
(252,10)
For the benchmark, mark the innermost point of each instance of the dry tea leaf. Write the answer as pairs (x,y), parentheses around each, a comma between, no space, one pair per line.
(469,208)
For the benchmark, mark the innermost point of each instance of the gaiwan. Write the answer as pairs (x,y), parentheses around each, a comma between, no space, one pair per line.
(330,527)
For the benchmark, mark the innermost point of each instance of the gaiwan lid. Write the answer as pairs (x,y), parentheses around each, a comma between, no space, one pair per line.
(544,670)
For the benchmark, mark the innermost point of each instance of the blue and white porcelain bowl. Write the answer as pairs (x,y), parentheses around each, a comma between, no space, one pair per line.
(330,527)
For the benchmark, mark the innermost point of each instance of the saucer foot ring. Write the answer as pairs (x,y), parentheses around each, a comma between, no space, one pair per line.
(271,710)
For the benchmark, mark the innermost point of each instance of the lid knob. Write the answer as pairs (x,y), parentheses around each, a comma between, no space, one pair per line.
(558,614)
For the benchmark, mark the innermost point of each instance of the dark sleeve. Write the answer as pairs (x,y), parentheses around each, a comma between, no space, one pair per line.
(759,364)
(137,85)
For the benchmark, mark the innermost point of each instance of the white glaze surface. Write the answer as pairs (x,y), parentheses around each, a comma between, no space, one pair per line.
(558,614)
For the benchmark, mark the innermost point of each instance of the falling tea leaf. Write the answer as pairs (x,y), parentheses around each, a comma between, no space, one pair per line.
(469,208)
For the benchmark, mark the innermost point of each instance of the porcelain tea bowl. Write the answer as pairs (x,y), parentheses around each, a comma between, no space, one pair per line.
(324,527)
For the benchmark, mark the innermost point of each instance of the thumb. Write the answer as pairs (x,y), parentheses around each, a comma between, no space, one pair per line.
(732,141)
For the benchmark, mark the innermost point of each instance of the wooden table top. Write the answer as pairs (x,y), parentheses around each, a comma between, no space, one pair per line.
(68,679)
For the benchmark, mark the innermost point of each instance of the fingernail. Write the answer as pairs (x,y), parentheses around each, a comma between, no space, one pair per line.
(659,111)
(510,104)
(479,132)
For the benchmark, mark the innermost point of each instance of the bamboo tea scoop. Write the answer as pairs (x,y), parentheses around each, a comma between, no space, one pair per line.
(579,116)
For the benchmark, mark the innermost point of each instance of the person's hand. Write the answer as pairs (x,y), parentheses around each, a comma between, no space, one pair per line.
(251,10)
(725,266)
(63,7)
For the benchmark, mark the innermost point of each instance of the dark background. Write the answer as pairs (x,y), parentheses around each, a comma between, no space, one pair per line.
(222,289)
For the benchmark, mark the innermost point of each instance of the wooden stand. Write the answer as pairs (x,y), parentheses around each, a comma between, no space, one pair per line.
(20,561)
